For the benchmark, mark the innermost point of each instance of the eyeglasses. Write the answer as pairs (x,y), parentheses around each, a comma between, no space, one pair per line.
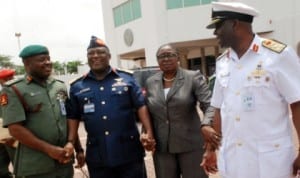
(167,55)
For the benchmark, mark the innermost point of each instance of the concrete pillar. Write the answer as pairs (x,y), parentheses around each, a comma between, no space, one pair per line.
(183,57)
(203,61)
(117,62)
(217,51)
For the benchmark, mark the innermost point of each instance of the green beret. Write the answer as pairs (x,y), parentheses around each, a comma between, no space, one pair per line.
(33,50)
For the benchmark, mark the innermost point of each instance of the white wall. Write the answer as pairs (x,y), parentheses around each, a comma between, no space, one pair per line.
(158,25)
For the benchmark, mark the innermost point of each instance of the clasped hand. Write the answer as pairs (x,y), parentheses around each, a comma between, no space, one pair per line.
(62,155)
(9,141)
(209,162)
(148,142)
(211,136)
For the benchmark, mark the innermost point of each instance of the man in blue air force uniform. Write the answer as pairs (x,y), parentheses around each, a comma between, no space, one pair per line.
(105,100)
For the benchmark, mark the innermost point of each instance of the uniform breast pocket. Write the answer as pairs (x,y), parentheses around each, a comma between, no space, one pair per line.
(224,80)
(120,90)
(93,151)
(87,102)
(121,95)
(130,142)
(34,102)
(276,157)
(259,89)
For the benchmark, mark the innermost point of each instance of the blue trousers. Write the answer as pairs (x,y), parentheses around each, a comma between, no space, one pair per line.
(129,170)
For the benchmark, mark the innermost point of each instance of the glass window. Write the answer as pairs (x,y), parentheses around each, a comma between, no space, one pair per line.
(136,9)
(118,16)
(127,12)
(173,4)
(206,1)
(188,3)
(127,15)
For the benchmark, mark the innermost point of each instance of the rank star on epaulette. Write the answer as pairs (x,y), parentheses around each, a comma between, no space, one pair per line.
(3,99)
(273,45)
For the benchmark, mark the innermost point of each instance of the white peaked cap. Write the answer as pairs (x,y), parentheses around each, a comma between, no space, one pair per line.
(231,10)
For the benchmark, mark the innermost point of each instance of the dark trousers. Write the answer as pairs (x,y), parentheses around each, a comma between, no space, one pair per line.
(179,165)
(11,152)
(129,170)
(4,162)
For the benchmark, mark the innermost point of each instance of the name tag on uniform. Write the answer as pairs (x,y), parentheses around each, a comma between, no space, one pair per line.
(62,108)
(89,108)
(248,101)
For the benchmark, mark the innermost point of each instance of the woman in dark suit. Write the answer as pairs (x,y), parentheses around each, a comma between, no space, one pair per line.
(172,97)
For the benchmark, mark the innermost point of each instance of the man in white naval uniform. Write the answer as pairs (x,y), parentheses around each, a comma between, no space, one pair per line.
(257,80)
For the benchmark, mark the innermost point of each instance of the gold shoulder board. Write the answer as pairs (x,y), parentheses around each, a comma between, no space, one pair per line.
(61,81)
(273,45)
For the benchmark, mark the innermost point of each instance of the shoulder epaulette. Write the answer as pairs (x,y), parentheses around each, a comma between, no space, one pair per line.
(76,79)
(126,71)
(13,81)
(212,77)
(273,45)
(59,80)
(223,54)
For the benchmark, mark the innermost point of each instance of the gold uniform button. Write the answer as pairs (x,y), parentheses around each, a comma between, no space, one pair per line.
(106,132)
(104,117)
(103,102)
(101,88)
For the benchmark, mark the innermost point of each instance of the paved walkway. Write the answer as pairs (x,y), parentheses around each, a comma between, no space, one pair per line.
(83,173)
(148,158)
(149,168)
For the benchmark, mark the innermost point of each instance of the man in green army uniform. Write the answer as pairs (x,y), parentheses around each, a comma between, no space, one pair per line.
(6,141)
(34,112)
